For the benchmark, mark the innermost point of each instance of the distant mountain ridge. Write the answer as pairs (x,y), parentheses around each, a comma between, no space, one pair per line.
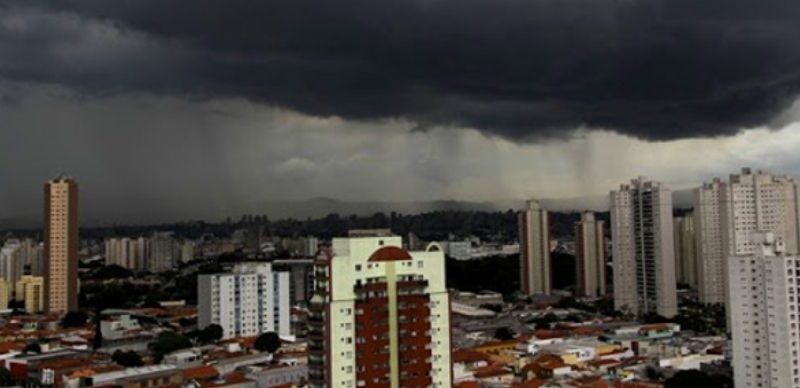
(322,206)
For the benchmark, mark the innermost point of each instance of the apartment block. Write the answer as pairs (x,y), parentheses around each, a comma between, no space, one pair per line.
(591,250)
(380,316)
(764,287)
(643,248)
(534,245)
(251,300)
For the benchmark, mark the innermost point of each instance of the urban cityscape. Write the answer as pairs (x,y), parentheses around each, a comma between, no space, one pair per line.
(400,194)
(644,295)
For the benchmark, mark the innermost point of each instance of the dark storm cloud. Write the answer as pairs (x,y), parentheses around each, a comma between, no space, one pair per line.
(521,69)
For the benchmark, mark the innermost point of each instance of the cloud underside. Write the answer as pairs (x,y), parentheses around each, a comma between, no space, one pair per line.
(519,69)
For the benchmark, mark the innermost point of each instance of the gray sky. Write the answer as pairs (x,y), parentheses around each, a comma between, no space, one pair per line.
(200,108)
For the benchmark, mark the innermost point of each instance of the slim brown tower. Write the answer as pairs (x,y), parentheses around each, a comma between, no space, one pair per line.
(61,244)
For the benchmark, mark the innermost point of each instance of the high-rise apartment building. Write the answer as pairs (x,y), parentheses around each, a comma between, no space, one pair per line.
(163,255)
(765,304)
(534,246)
(711,256)
(125,252)
(251,300)
(12,262)
(61,244)
(30,289)
(590,252)
(685,250)
(380,316)
(727,213)
(643,248)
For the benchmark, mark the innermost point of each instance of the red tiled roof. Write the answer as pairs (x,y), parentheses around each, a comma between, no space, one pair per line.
(491,371)
(468,355)
(390,253)
(203,372)
(532,383)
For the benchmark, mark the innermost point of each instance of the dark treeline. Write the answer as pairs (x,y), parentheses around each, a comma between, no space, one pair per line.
(501,274)
(500,226)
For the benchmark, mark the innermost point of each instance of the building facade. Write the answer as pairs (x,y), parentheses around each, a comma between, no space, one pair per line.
(61,244)
(764,310)
(590,252)
(685,250)
(30,290)
(251,300)
(380,316)
(727,213)
(711,257)
(12,262)
(643,248)
(534,247)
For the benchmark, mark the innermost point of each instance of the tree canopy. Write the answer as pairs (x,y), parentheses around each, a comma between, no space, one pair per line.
(268,342)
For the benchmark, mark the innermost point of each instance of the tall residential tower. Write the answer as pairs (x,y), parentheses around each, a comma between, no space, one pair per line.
(643,248)
(591,252)
(534,247)
(380,316)
(728,213)
(685,250)
(764,314)
(61,244)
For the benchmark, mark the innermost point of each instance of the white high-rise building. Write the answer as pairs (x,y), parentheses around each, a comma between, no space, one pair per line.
(247,302)
(643,248)
(711,256)
(727,213)
(764,305)
(685,251)
(590,253)
(380,315)
(534,246)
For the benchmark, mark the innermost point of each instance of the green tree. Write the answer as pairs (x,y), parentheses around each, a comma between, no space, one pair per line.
(268,342)
(211,333)
(167,342)
(112,271)
(127,359)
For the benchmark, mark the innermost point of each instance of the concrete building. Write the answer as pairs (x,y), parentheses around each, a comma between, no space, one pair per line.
(685,250)
(12,262)
(126,252)
(301,275)
(764,309)
(534,246)
(30,289)
(711,257)
(727,213)
(251,300)
(163,255)
(591,251)
(643,248)
(5,293)
(380,316)
(61,244)
(187,248)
